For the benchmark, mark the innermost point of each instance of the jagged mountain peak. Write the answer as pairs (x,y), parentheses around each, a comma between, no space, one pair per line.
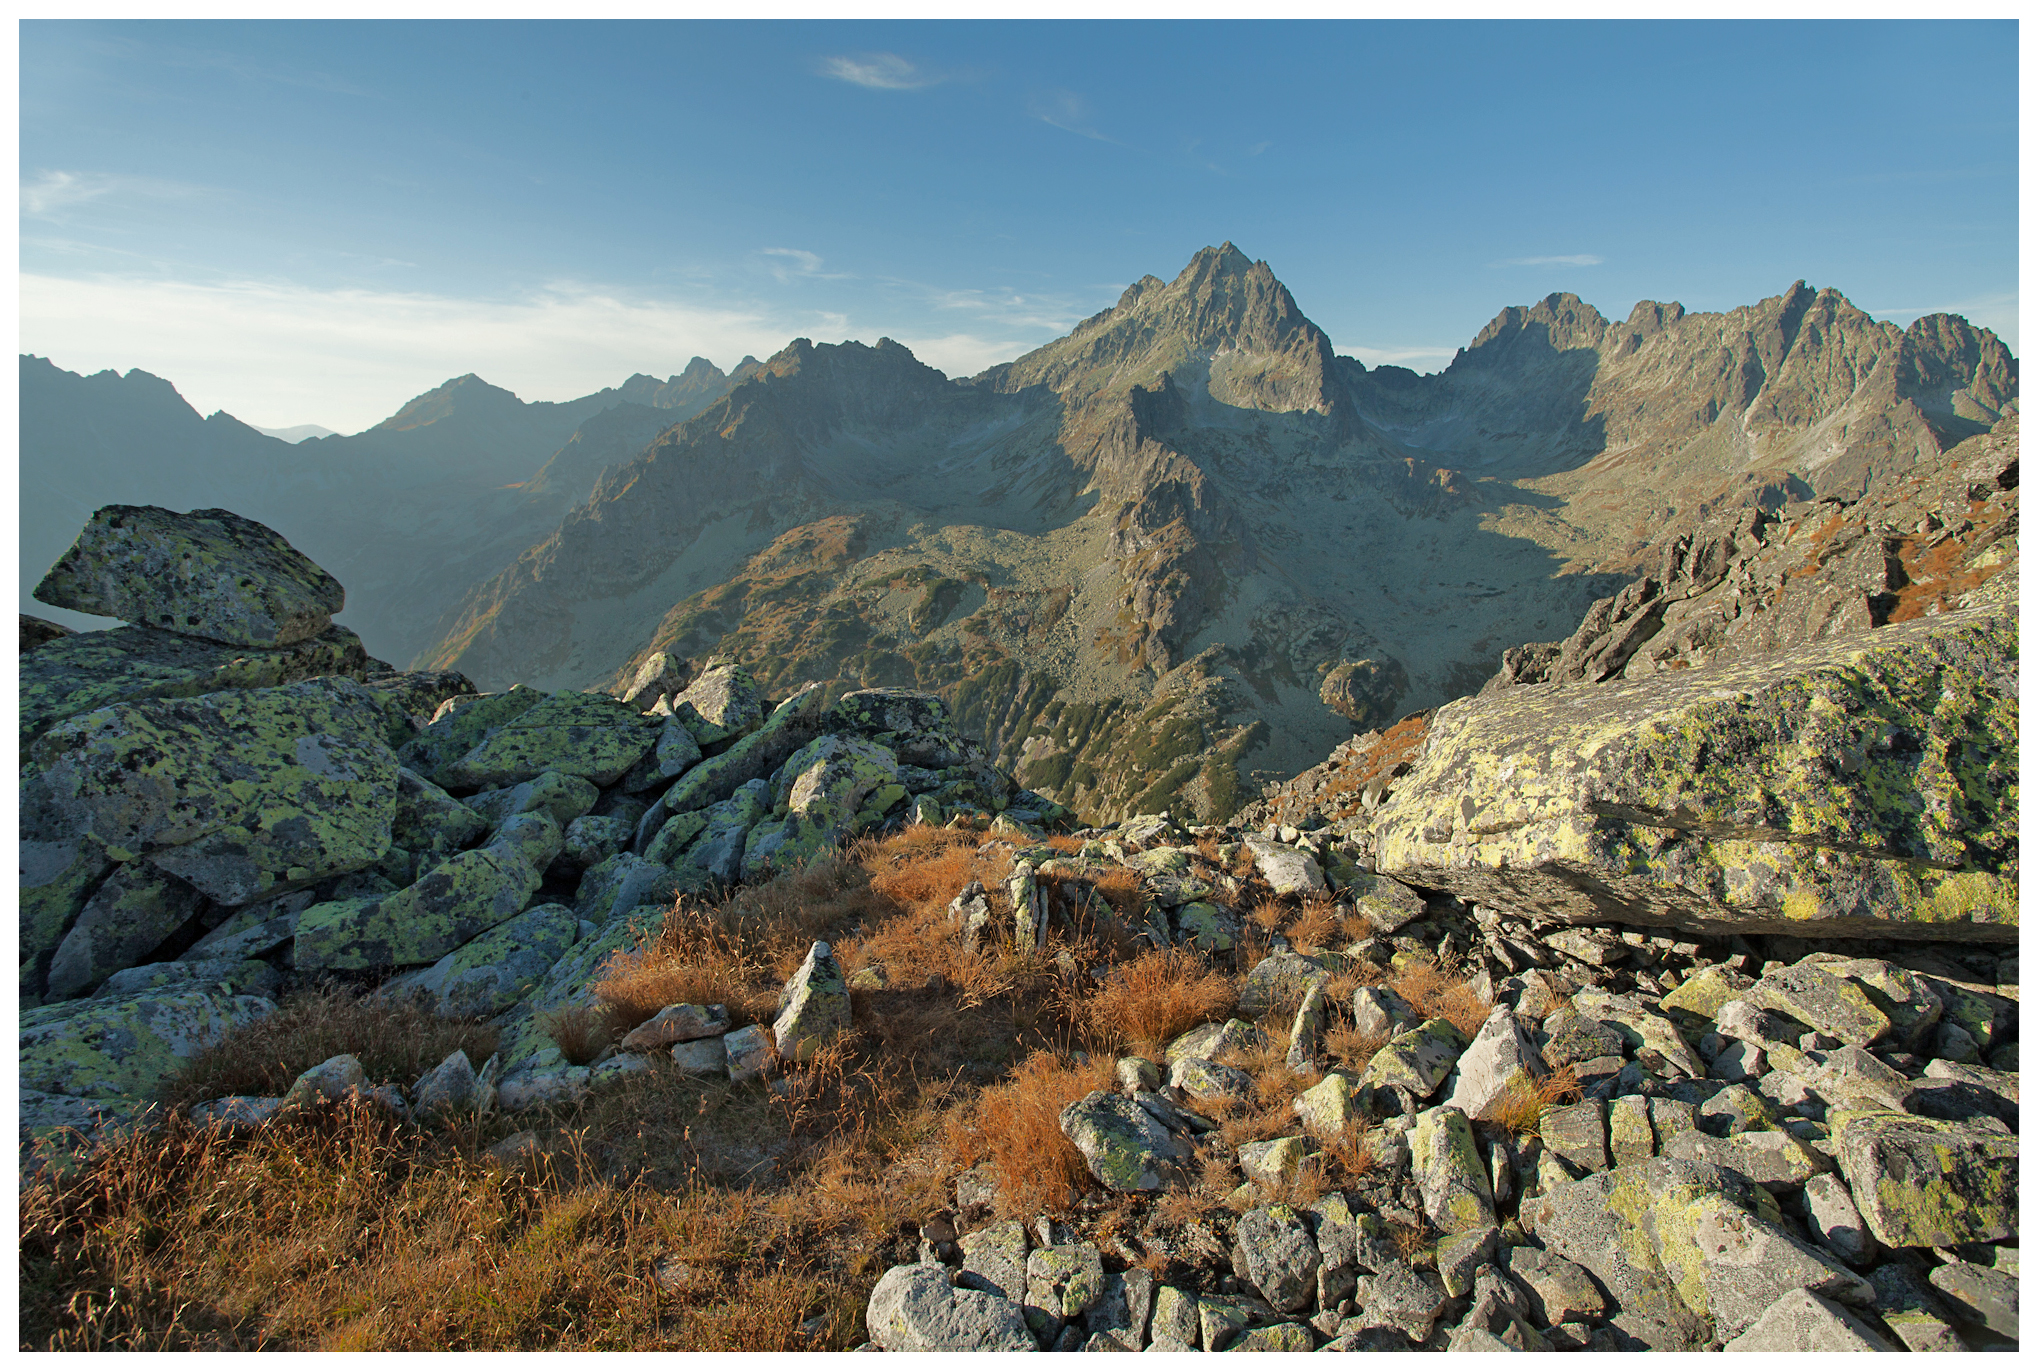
(1224,316)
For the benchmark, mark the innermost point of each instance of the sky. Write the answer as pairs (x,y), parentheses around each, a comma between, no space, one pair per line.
(312,222)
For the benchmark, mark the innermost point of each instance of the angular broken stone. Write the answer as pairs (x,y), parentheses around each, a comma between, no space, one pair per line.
(814,1007)
(1125,1147)
(207,574)
(1457,1194)
(1923,1183)
(1500,1066)
(677,1024)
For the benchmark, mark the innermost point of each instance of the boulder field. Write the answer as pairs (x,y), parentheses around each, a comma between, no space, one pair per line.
(1757,918)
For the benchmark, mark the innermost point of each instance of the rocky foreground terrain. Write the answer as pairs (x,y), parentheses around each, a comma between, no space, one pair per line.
(1606,1009)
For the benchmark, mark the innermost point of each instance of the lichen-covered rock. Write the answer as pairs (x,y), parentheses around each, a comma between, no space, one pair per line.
(1201,1079)
(459,725)
(821,791)
(1417,1061)
(126,1046)
(1125,1147)
(461,898)
(747,1052)
(995,1260)
(1280,979)
(722,703)
(1330,1107)
(814,1007)
(1861,786)
(1772,1158)
(562,795)
(1558,1290)
(1705,991)
(1215,1040)
(1274,1162)
(427,820)
(207,574)
(1457,1194)
(455,1086)
(127,918)
(1280,1257)
(1500,1066)
(1290,871)
(1926,1182)
(240,793)
(1652,1038)
(87,671)
(591,839)
(620,884)
(1813,995)
(1378,1012)
(1208,928)
(1387,904)
(754,756)
(1633,1227)
(917,726)
(492,972)
(669,758)
(661,674)
(914,1309)
(233,976)
(677,1024)
(592,736)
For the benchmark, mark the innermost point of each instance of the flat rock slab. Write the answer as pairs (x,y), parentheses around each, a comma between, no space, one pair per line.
(593,736)
(124,1047)
(1925,1182)
(1806,793)
(240,793)
(208,574)
(82,672)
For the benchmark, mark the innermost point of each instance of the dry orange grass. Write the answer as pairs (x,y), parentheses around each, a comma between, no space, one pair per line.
(583,1031)
(1348,1047)
(1521,1110)
(1150,1000)
(1315,926)
(1437,996)
(1016,1128)
(396,1040)
(1268,915)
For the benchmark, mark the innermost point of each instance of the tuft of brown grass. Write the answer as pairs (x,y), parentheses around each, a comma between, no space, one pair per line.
(583,1031)
(1315,926)
(1521,1110)
(1268,915)
(1150,1000)
(1016,1127)
(396,1040)
(1349,1048)
(1434,995)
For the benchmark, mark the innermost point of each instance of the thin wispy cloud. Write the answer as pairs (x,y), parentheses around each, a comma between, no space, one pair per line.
(1580,259)
(280,354)
(50,194)
(880,71)
(789,263)
(1065,110)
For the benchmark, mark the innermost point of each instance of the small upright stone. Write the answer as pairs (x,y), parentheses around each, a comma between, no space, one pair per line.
(207,574)
(814,1008)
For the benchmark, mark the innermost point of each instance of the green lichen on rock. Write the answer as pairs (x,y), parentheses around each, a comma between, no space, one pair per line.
(86,671)
(461,724)
(207,574)
(722,703)
(124,1046)
(240,793)
(1417,1061)
(492,972)
(1861,786)
(132,912)
(1446,1164)
(821,789)
(1925,1182)
(593,736)
(1125,1148)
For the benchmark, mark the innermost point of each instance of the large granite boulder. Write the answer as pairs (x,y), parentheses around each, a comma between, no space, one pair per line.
(240,793)
(124,1046)
(132,912)
(821,796)
(914,1309)
(464,896)
(495,970)
(1855,787)
(721,704)
(207,574)
(916,725)
(1125,1147)
(573,733)
(82,672)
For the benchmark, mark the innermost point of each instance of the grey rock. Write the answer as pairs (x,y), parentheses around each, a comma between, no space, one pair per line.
(913,1309)
(1281,1258)
(1125,1147)
(1806,1322)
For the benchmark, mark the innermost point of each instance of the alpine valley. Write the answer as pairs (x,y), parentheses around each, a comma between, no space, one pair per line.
(1182,553)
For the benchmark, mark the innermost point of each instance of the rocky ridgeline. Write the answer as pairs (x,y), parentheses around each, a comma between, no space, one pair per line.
(237,799)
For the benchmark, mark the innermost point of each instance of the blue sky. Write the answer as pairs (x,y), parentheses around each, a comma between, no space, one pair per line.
(312,222)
